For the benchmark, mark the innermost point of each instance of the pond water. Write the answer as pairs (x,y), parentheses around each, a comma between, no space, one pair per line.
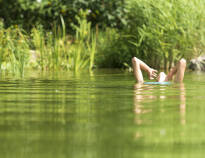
(103,115)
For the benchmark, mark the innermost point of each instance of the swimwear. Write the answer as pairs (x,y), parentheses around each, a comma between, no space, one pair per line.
(158,83)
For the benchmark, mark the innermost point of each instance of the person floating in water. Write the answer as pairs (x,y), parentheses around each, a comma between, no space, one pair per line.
(139,65)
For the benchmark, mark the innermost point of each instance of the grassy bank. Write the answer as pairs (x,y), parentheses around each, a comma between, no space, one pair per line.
(158,33)
(48,51)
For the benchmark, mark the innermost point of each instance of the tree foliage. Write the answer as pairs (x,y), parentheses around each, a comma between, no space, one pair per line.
(32,12)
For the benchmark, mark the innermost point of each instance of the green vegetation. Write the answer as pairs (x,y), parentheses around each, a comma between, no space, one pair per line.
(27,13)
(167,30)
(48,51)
(14,49)
(58,51)
(158,33)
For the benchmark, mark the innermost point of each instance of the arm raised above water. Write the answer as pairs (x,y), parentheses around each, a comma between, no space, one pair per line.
(139,65)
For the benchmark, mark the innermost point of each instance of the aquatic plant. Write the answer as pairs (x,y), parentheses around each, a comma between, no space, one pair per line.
(84,43)
(14,49)
(48,51)
(58,51)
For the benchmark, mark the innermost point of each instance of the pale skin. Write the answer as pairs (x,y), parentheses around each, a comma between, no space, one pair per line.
(177,71)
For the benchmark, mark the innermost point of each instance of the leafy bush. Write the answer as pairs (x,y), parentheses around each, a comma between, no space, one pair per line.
(33,12)
(48,51)
(165,31)
(158,33)
(113,50)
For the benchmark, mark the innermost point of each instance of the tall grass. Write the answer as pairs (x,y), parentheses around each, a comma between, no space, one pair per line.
(165,31)
(58,51)
(158,32)
(14,50)
(48,51)
(85,42)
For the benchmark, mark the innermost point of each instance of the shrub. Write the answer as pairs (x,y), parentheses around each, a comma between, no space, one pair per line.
(158,33)
(29,13)
(113,50)
(165,31)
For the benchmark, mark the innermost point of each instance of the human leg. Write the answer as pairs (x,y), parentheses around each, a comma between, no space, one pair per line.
(179,70)
(137,70)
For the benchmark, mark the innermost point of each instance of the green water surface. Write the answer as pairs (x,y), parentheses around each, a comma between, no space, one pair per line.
(101,115)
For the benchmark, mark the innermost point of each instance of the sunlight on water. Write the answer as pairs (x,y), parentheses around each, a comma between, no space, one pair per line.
(102,115)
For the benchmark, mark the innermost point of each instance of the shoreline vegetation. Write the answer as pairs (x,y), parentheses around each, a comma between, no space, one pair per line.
(158,33)
(48,51)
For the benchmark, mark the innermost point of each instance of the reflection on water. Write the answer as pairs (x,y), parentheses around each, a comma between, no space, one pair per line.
(146,94)
(100,116)
(149,93)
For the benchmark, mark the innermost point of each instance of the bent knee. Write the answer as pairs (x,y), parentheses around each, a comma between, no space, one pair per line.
(134,60)
(182,62)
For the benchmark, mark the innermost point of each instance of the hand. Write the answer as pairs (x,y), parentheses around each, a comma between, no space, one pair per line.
(152,73)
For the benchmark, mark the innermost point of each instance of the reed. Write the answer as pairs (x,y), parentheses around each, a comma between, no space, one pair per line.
(167,30)
(58,52)
(85,44)
(14,50)
(51,51)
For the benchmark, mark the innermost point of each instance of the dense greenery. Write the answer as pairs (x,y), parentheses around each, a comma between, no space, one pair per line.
(158,33)
(14,49)
(45,12)
(48,51)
